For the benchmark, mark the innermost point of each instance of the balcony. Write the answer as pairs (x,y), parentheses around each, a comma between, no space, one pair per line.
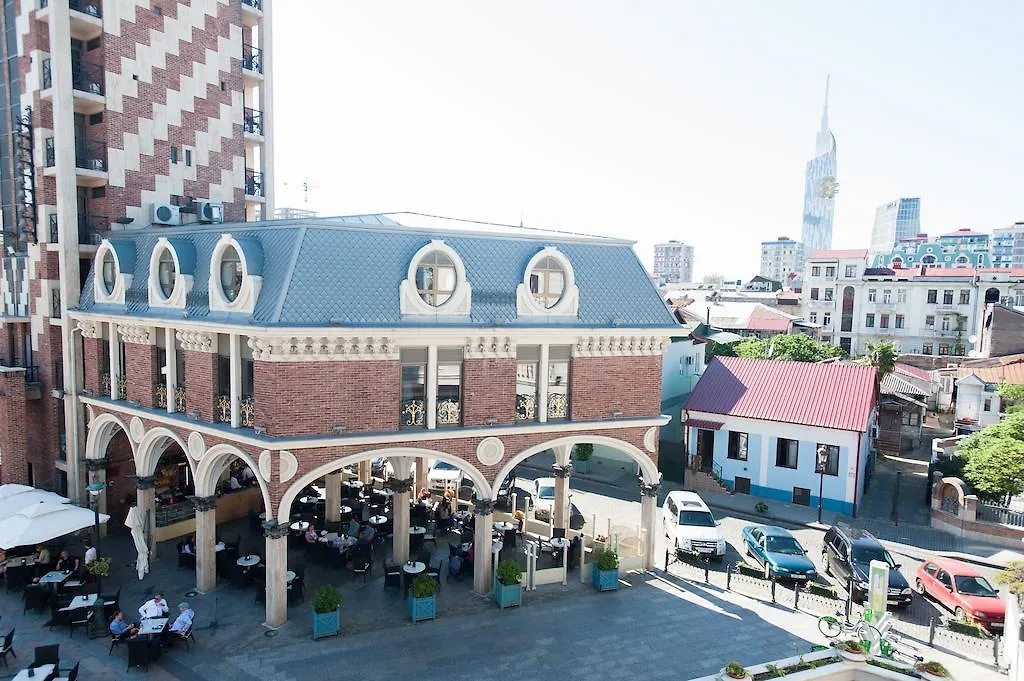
(33,383)
(246,410)
(254,185)
(252,122)
(252,61)
(87,85)
(92,229)
(55,312)
(821,303)
(252,12)
(86,16)
(90,162)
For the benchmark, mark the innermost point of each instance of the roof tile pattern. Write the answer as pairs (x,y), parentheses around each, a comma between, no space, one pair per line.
(839,396)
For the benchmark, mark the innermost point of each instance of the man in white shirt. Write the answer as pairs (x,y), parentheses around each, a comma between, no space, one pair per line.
(90,552)
(184,619)
(247,474)
(154,607)
(233,483)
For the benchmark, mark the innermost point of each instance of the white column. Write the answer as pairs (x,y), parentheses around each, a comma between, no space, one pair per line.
(559,515)
(277,565)
(432,387)
(648,521)
(115,361)
(401,483)
(542,385)
(236,380)
(206,539)
(365,471)
(171,371)
(333,494)
(482,559)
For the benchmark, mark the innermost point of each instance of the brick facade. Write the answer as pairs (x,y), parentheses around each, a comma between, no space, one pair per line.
(201,384)
(92,349)
(141,372)
(310,398)
(13,431)
(602,385)
(489,391)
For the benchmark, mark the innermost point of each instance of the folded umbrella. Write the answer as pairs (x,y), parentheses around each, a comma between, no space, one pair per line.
(42,522)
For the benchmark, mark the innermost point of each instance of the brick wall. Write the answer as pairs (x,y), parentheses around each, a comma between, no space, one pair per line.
(13,440)
(7,344)
(121,492)
(489,390)
(1005,336)
(141,372)
(201,383)
(601,385)
(309,398)
(44,413)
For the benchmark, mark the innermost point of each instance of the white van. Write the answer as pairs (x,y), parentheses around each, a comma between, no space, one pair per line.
(544,499)
(690,525)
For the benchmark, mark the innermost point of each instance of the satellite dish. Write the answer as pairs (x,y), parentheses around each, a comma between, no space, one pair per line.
(972,340)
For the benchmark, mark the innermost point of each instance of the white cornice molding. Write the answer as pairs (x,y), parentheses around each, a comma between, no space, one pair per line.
(88,329)
(196,341)
(137,335)
(322,348)
(486,347)
(619,346)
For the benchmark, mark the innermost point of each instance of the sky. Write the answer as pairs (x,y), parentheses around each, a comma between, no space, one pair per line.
(651,120)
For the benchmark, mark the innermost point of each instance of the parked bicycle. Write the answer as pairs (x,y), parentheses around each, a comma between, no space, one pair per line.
(831,626)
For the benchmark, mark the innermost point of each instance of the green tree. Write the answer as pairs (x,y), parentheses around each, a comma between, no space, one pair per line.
(1012,576)
(719,350)
(1012,396)
(882,356)
(798,347)
(994,458)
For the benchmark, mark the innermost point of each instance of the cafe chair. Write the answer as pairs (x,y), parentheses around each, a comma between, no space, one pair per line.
(185,560)
(72,675)
(141,652)
(81,617)
(114,598)
(117,641)
(186,636)
(361,565)
(8,647)
(393,576)
(46,655)
(296,592)
(435,571)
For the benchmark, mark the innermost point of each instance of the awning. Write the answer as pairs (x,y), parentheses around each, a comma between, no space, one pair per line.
(705,425)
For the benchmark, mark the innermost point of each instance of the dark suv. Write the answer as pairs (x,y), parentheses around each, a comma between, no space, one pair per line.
(847,556)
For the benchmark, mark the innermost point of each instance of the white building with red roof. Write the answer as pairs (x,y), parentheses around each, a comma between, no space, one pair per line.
(758,426)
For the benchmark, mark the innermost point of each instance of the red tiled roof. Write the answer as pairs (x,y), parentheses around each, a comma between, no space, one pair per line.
(964,231)
(837,254)
(949,272)
(912,371)
(839,396)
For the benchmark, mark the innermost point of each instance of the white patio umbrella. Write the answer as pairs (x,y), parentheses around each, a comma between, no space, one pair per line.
(12,489)
(38,523)
(12,504)
(137,524)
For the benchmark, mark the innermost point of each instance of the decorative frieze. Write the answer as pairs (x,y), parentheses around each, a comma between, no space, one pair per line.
(275,530)
(649,489)
(400,485)
(561,471)
(143,481)
(97,464)
(88,329)
(204,503)
(483,506)
(138,335)
(485,347)
(619,346)
(322,348)
(196,341)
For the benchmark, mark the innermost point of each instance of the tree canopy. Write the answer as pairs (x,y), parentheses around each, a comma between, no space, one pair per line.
(798,347)
(994,459)
(1011,393)
(882,356)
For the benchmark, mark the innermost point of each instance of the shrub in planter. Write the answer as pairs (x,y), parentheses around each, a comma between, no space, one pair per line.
(930,671)
(605,574)
(423,598)
(851,651)
(99,569)
(581,454)
(733,670)
(326,612)
(969,628)
(508,588)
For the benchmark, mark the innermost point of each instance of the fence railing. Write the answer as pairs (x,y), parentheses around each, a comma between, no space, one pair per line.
(998,514)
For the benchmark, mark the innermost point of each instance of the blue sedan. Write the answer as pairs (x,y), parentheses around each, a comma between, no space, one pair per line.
(779,552)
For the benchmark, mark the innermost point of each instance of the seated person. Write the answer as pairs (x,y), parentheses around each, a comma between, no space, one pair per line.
(424,494)
(189,546)
(43,556)
(121,629)
(184,620)
(353,527)
(233,483)
(366,534)
(311,535)
(248,476)
(154,607)
(67,562)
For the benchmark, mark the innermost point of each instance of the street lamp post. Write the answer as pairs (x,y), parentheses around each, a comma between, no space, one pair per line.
(94,500)
(822,463)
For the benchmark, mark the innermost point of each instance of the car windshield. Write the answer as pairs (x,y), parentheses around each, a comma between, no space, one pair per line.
(864,555)
(783,545)
(974,586)
(696,518)
(546,493)
(443,466)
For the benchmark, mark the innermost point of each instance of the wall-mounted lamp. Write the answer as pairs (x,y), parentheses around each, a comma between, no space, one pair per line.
(338,430)
(490,421)
(616,413)
(260,430)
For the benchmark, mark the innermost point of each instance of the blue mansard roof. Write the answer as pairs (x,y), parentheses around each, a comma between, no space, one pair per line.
(347,271)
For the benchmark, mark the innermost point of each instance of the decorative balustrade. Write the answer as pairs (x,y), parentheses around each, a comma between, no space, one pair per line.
(180,401)
(449,413)
(105,384)
(248,411)
(413,414)
(558,406)
(526,407)
(223,410)
(160,396)
(122,388)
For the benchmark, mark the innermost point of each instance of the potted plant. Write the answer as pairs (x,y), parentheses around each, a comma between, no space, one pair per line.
(761,507)
(99,569)
(326,612)
(508,588)
(851,651)
(606,569)
(733,670)
(581,457)
(423,598)
(932,671)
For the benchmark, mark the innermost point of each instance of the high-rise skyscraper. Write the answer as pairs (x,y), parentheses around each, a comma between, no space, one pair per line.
(894,222)
(820,188)
(673,262)
(113,116)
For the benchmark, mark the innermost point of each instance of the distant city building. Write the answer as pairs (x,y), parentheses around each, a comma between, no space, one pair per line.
(894,222)
(963,248)
(673,262)
(820,188)
(284,213)
(781,258)
(1008,246)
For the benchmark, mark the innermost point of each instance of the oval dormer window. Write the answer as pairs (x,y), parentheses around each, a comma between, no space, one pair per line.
(166,273)
(230,274)
(547,282)
(109,272)
(435,278)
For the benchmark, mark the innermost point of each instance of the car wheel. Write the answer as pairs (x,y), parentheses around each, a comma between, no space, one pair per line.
(919,587)
(959,613)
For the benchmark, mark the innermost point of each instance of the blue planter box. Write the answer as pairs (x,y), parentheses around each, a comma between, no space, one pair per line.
(605,580)
(508,596)
(326,623)
(422,608)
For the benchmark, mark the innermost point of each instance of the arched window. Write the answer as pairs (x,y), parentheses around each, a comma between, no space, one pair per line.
(547,282)
(109,272)
(896,263)
(991,296)
(230,274)
(435,278)
(929,261)
(166,273)
(963,261)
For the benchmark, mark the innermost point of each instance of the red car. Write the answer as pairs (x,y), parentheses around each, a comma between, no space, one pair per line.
(962,589)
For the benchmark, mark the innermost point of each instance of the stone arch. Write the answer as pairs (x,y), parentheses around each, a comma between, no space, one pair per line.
(212,465)
(648,468)
(153,444)
(102,430)
(481,483)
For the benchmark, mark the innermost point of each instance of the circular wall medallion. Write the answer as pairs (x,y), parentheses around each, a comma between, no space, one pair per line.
(651,439)
(490,450)
(196,445)
(136,429)
(289,465)
(264,464)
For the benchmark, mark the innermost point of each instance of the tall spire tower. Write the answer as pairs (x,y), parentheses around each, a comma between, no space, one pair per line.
(820,187)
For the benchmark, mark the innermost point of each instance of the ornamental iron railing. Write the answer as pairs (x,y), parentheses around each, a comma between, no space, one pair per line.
(223,411)
(449,413)
(248,411)
(526,407)
(252,58)
(122,388)
(253,182)
(252,121)
(558,406)
(413,414)
(180,400)
(160,396)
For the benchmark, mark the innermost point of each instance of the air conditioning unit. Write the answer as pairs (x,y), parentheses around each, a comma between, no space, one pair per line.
(166,214)
(210,212)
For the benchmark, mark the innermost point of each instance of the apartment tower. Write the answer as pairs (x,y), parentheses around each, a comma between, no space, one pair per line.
(115,115)
(673,262)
